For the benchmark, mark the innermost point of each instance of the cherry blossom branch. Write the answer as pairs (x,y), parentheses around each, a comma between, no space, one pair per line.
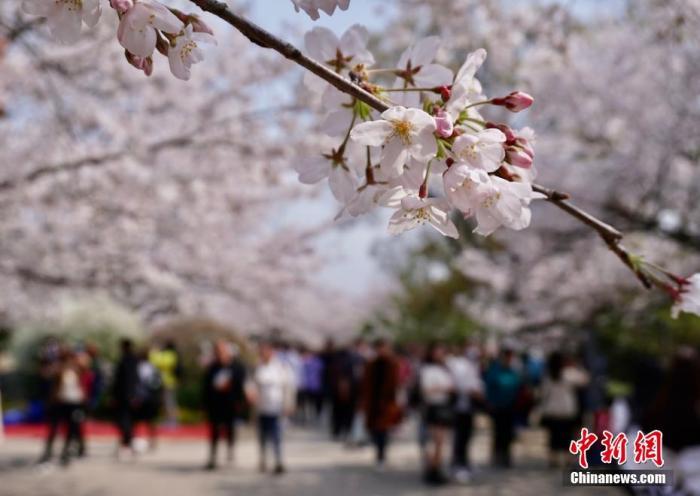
(608,233)
(265,39)
(257,35)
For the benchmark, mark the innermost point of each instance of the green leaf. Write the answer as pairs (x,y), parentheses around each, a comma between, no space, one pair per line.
(362,110)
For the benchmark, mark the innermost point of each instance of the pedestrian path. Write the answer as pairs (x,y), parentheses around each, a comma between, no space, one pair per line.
(316,467)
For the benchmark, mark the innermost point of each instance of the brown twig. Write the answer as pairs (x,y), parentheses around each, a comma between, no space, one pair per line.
(263,38)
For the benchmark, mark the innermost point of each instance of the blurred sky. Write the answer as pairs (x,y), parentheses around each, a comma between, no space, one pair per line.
(347,248)
(351,267)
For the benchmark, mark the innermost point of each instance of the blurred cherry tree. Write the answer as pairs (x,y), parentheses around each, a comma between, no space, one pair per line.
(618,119)
(166,195)
(169,195)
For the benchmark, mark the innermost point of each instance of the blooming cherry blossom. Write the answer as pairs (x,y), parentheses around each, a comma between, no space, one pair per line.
(342,55)
(311,7)
(138,29)
(187,51)
(351,49)
(482,149)
(340,112)
(413,211)
(335,166)
(65,17)
(494,201)
(689,297)
(466,88)
(403,133)
(416,69)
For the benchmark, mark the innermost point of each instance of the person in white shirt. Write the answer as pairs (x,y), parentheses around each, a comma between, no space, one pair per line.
(468,387)
(272,390)
(559,404)
(436,388)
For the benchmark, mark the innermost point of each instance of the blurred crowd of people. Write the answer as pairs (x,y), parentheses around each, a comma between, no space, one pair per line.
(362,392)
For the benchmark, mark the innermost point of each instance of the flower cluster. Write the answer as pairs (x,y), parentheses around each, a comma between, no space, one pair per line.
(431,153)
(144,27)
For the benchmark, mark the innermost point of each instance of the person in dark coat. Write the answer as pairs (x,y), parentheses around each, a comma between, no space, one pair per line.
(380,385)
(224,399)
(502,385)
(126,381)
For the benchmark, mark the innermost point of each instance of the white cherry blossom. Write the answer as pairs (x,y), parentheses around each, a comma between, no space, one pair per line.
(482,149)
(341,169)
(340,111)
(403,133)
(138,27)
(348,51)
(65,17)
(340,54)
(413,211)
(689,297)
(494,201)
(311,7)
(466,88)
(416,69)
(187,51)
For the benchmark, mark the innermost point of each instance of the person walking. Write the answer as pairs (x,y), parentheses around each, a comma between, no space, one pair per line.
(469,389)
(378,401)
(273,392)
(436,390)
(311,387)
(559,405)
(167,361)
(502,386)
(70,398)
(148,397)
(126,380)
(224,399)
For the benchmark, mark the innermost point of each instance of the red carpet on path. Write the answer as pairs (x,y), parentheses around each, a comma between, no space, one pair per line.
(107,430)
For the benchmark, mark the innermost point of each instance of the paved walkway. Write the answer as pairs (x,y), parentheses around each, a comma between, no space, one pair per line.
(316,467)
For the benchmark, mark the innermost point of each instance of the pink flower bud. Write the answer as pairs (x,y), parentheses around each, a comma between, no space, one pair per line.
(443,124)
(121,6)
(445,92)
(144,64)
(525,145)
(505,129)
(199,26)
(515,102)
(518,157)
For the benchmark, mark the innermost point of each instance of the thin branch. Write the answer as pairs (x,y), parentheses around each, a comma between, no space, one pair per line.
(263,38)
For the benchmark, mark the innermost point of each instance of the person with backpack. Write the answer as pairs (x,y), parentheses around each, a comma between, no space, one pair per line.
(148,397)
